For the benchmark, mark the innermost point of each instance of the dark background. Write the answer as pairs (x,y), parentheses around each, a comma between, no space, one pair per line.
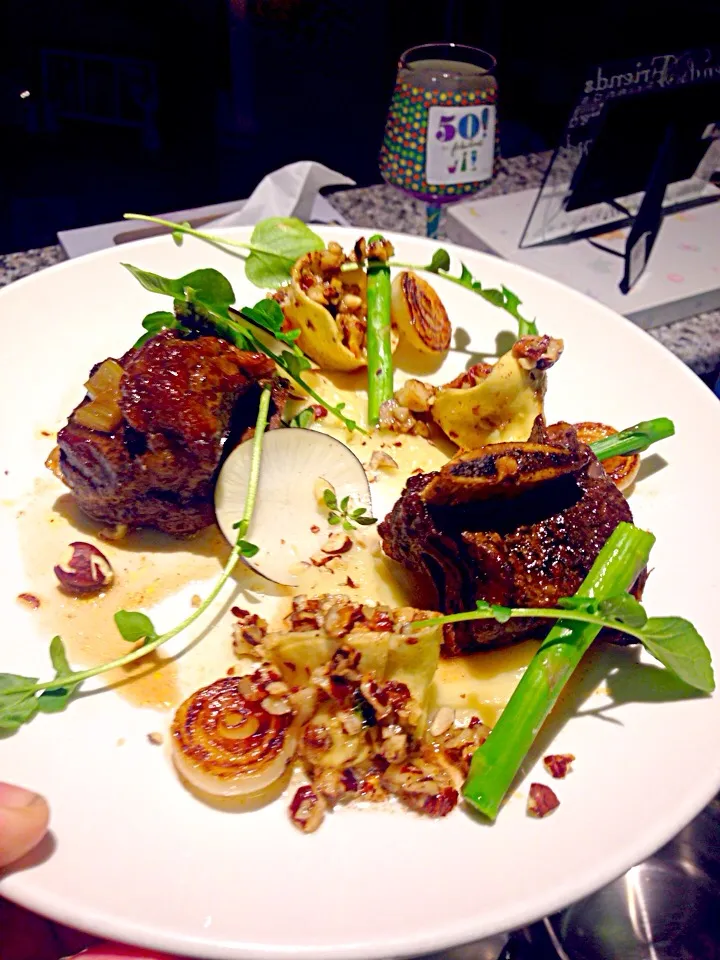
(243,86)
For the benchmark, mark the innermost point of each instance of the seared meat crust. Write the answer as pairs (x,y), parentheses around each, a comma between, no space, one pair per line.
(523,550)
(180,405)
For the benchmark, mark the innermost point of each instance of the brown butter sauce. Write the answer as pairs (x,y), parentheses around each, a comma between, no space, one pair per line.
(148,567)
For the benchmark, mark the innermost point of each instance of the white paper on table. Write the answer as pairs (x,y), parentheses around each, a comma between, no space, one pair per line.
(290,191)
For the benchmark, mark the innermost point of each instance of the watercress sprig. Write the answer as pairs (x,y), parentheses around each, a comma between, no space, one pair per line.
(275,245)
(503,298)
(203,299)
(22,697)
(277,242)
(340,513)
(673,641)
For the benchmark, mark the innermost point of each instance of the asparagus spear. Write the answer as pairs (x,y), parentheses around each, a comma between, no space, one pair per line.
(497,761)
(633,439)
(379,348)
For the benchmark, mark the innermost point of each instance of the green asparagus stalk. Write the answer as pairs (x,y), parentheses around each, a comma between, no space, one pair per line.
(633,439)
(495,764)
(379,348)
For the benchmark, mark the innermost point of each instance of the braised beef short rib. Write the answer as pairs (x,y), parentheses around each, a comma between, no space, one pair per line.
(184,402)
(517,524)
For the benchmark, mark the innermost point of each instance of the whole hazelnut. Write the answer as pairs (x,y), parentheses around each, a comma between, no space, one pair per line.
(84,569)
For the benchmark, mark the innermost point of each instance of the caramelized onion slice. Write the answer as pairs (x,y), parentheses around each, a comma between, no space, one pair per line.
(621,470)
(233,738)
(102,412)
(419,315)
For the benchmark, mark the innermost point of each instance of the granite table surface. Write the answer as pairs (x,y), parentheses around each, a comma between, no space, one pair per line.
(696,340)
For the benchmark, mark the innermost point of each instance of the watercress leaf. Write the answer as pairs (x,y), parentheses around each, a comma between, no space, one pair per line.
(465,276)
(333,519)
(287,236)
(177,236)
(344,503)
(482,605)
(58,658)
(624,608)
(209,287)
(305,418)
(358,513)
(294,364)
(440,261)
(155,322)
(157,284)
(365,521)
(493,296)
(267,270)
(678,646)
(247,549)
(501,614)
(267,314)
(512,301)
(329,498)
(55,699)
(347,525)
(134,626)
(16,706)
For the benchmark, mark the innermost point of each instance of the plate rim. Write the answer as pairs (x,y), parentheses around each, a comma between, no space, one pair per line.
(657,832)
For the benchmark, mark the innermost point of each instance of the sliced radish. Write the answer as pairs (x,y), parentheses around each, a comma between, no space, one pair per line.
(288,506)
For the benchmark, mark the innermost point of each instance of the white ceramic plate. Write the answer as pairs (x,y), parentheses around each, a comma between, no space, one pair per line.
(136,857)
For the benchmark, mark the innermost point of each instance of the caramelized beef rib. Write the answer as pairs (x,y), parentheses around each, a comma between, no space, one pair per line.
(513,524)
(182,402)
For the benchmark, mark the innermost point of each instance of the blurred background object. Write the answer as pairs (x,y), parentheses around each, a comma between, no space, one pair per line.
(175,103)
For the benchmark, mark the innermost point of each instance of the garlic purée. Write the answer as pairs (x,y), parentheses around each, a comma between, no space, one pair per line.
(480,683)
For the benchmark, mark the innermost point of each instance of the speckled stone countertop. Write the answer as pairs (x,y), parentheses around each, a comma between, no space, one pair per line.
(695,340)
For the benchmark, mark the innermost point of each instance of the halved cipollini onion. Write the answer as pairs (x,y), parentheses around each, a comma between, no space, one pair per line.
(621,470)
(418,313)
(234,737)
(287,513)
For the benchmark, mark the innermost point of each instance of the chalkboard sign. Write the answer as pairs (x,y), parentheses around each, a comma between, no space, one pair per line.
(638,126)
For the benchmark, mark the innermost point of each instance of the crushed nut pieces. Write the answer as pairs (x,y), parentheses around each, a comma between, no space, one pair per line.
(541,800)
(558,764)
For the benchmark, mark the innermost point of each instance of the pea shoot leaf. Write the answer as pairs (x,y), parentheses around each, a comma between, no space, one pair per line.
(134,626)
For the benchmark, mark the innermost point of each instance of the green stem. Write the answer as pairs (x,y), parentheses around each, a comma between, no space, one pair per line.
(379,346)
(209,237)
(336,411)
(633,439)
(140,652)
(498,760)
(546,613)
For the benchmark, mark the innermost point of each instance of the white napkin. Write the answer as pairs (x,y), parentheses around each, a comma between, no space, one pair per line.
(291,191)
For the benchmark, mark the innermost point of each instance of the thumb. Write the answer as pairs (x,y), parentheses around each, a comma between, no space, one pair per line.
(24,819)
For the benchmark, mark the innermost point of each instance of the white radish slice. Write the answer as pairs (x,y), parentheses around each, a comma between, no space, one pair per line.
(287,507)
